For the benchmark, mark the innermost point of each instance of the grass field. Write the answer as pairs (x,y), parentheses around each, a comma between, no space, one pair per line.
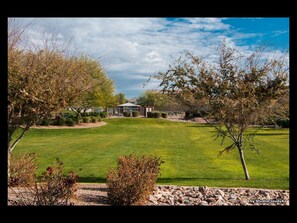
(188,149)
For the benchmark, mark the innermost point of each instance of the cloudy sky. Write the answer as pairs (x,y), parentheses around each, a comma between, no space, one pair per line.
(132,49)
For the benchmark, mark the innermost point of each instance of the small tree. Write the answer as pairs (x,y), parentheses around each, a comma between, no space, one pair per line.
(236,92)
(42,80)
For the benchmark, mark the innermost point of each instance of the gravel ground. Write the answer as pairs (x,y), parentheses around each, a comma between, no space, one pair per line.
(94,194)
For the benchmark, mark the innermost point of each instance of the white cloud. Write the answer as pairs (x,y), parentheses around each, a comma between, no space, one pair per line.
(132,49)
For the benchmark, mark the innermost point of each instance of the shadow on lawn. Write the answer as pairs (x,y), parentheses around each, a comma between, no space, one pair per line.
(92,180)
(168,180)
(199,125)
(271,134)
(160,180)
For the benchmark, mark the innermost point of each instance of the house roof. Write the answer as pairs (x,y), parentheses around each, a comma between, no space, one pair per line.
(129,105)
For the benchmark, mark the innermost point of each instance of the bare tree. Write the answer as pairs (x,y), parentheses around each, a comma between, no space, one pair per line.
(237,92)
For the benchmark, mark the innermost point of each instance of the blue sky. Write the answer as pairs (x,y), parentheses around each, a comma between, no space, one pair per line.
(132,49)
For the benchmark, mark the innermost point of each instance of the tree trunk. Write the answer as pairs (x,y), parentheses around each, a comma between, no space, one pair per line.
(246,172)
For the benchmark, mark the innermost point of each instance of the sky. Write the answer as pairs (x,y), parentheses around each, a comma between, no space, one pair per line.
(133,49)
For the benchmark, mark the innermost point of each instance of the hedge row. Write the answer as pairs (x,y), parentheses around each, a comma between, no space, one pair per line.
(69,121)
(156,115)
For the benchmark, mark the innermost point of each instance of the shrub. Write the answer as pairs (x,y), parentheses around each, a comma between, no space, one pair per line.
(164,115)
(54,189)
(284,123)
(99,119)
(126,114)
(150,114)
(133,181)
(103,114)
(135,113)
(157,115)
(94,119)
(70,121)
(154,114)
(45,122)
(60,121)
(69,114)
(86,119)
(22,169)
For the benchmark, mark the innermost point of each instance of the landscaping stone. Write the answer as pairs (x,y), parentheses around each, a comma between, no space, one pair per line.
(96,194)
(206,196)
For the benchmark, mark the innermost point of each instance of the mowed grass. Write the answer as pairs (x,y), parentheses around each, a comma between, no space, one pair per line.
(189,151)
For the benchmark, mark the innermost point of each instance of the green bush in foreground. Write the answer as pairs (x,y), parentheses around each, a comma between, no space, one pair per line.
(133,181)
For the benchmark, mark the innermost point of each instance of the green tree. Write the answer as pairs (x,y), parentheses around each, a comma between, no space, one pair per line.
(121,98)
(102,92)
(162,102)
(237,91)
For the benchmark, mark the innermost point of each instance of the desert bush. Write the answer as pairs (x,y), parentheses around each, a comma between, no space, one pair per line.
(135,113)
(164,115)
(54,188)
(126,114)
(133,181)
(86,119)
(94,119)
(22,169)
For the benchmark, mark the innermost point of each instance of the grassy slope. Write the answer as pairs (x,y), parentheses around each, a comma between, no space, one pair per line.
(189,152)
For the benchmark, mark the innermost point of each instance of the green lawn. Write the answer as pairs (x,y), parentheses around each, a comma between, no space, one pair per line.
(188,149)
